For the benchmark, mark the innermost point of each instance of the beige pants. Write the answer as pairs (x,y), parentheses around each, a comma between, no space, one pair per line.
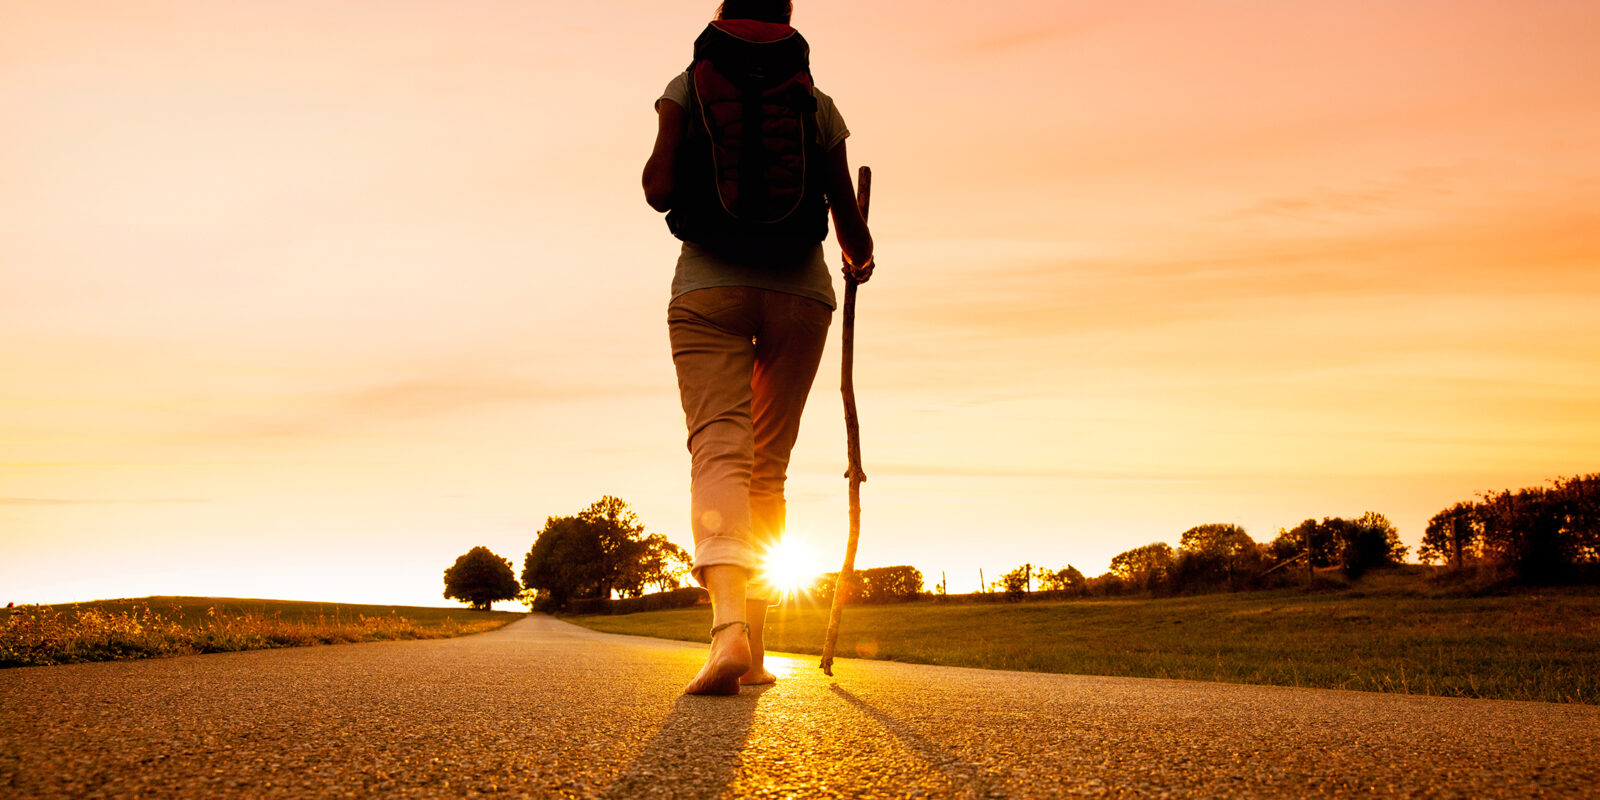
(746,358)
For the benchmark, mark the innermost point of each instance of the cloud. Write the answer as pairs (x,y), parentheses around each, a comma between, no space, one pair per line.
(1418,187)
(429,395)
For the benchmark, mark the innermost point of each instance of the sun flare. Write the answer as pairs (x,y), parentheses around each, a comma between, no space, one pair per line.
(791,566)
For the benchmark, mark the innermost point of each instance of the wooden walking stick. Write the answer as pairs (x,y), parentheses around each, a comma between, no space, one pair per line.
(852,429)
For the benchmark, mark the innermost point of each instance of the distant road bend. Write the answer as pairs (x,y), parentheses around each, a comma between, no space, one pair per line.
(543,708)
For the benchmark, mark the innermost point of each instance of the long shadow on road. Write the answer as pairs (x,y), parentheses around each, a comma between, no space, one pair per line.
(697,751)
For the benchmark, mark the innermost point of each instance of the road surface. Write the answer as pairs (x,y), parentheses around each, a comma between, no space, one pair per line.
(543,708)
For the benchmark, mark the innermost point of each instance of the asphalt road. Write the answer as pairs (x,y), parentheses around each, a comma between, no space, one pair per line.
(542,708)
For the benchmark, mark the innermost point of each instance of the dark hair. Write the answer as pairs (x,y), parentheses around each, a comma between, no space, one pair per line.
(761,10)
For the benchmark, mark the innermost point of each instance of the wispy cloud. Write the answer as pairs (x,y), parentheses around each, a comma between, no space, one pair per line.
(1414,188)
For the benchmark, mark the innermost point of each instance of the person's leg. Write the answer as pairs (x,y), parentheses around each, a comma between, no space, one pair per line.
(729,659)
(788,350)
(711,332)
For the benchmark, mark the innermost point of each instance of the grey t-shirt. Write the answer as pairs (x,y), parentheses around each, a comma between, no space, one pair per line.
(802,272)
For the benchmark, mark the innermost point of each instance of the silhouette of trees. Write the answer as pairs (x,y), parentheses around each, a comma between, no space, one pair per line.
(1144,568)
(1454,536)
(1541,534)
(599,550)
(1355,546)
(479,577)
(1369,542)
(1017,583)
(876,585)
(1216,555)
(658,563)
(1067,581)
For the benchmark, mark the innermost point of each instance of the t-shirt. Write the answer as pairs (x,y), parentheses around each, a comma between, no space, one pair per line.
(791,271)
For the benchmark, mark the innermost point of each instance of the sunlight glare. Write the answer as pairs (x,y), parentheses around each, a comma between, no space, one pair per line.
(791,566)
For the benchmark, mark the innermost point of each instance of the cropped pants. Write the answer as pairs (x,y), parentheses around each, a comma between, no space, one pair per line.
(745,359)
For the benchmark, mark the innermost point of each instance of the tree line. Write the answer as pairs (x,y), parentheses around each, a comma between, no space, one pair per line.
(601,550)
(1543,534)
(1539,534)
(1223,557)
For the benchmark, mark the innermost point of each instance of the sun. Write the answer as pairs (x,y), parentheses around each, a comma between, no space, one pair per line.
(791,566)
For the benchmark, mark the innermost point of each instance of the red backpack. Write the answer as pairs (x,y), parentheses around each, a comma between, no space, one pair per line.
(751,165)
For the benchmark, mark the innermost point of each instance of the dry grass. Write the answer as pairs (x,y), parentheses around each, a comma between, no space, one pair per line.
(168,626)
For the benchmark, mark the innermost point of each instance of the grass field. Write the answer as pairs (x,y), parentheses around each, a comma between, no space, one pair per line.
(148,627)
(1388,635)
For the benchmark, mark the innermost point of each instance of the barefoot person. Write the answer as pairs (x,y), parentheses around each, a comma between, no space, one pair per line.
(751,298)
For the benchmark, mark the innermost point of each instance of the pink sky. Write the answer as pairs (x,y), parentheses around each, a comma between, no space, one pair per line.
(304,299)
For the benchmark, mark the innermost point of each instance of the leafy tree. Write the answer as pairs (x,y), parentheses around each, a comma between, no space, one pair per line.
(589,555)
(479,577)
(658,563)
(891,584)
(1322,540)
(1216,553)
(1368,542)
(1452,536)
(1067,580)
(1353,545)
(1541,534)
(1017,582)
(876,585)
(1147,567)
(1524,530)
(1286,545)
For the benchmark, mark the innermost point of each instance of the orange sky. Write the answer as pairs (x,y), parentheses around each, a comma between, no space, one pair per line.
(304,299)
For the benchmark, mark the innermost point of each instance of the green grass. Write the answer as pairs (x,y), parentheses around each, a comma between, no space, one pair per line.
(148,627)
(1388,635)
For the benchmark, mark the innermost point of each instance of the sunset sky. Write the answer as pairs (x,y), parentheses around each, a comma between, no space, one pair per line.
(304,298)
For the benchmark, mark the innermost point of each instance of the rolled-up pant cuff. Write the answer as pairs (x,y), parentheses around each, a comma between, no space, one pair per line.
(732,551)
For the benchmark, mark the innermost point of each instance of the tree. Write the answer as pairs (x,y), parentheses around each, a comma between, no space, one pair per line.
(1146,567)
(1286,545)
(1452,536)
(1524,529)
(1541,534)
(589,554)
(877,585)
(658,562)
(1353,545)
(480,577)
(1067,580)
(1216,553)
(891,584)
(1368,542)
(1016,582)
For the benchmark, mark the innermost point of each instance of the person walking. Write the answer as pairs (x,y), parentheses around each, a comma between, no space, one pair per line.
(749,162)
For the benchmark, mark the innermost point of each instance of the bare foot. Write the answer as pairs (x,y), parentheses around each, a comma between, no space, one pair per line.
(729,659)
(757,675)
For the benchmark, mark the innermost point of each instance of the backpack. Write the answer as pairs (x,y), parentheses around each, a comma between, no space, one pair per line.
(750,76)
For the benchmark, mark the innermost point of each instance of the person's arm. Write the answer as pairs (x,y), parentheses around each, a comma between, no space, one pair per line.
(848,224)
(658,170)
